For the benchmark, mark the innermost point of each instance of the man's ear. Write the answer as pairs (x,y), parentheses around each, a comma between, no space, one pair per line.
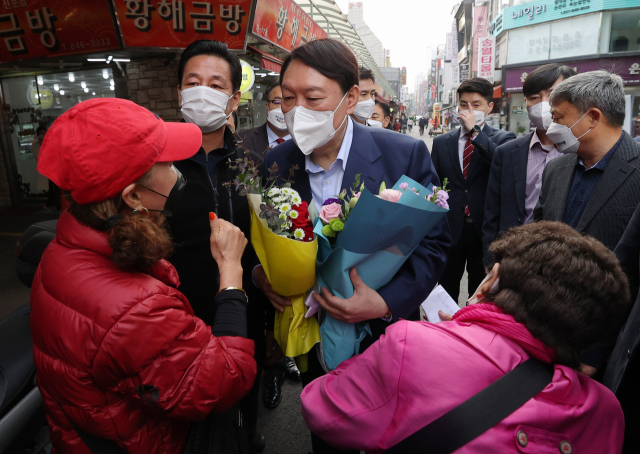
(131,197)
(179,96)
(235,101)
(595,117)
(352,99)
(490,107)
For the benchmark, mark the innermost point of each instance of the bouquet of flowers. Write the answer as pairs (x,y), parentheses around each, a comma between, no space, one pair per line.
(282,236)
(376,235)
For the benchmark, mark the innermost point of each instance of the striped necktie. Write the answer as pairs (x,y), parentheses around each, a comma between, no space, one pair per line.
(466,160)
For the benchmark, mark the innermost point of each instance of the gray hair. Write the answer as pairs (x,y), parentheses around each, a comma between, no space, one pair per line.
(599,89)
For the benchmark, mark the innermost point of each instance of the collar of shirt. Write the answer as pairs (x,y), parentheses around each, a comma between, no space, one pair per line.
(602,164)
(272,137)
(549,150)
(211,160)
(327,184)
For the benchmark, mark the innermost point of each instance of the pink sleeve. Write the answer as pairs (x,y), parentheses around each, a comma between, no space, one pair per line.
(353,406)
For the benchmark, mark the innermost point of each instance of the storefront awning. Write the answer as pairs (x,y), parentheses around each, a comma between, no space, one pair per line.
(268,61)
(497,92)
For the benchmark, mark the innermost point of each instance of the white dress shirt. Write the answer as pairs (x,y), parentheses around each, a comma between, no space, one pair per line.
(462,141)
(273,138)
(326,184)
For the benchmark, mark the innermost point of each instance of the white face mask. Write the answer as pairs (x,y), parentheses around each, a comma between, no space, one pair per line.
(311,129)
(374,123)
(540,115)
(480,114)
(364,109)
(205,107)
(276,118)
(563,137)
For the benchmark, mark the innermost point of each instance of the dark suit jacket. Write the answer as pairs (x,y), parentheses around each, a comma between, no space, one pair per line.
(255,139)
(613,202)
(472,190)
(381,155)
(505,204)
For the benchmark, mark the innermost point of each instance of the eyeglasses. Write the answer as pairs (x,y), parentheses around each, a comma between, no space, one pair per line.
(277,102)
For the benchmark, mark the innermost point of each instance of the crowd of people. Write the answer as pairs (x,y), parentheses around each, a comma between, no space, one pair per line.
(152,317)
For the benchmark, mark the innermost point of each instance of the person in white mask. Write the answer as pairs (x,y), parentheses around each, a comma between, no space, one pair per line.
(381,116)
(320,90)
(209,76)
(515,179)
(595,186)
(463,156)
(366,102)
(274,131)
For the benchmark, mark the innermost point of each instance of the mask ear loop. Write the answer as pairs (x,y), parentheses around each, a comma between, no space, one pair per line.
(588,130)
(334,112)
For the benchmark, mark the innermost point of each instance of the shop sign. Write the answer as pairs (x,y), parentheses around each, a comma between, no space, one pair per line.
(626,67)
(53,28)
(540,11)
(177,23)
(486,57)
(496,26)
(248,77)
(284,24)
(479,31)
(464,73)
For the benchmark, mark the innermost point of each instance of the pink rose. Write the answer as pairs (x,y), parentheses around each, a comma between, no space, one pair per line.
(329,212)
(391,195)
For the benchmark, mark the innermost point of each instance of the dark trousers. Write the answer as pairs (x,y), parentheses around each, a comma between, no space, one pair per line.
(468,251)
(255,331)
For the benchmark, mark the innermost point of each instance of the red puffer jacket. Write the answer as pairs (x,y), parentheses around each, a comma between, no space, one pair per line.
(121,354)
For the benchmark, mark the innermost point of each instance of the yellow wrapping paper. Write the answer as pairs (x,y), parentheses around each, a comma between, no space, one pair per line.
(290,266)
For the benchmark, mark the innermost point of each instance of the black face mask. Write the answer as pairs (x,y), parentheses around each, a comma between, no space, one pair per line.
(173,198)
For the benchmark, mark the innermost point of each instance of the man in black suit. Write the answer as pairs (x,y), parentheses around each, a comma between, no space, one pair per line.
(274,132)
(595,186)
(463,156)
(367,100)
(515,179)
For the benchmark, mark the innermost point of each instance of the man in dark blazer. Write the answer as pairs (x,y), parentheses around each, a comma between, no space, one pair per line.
(320,91)
(596,188)
(274,132)
(623,368)
(463,157)
(515,179)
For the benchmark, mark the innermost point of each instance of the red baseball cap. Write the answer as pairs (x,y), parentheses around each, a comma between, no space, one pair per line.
(100,146)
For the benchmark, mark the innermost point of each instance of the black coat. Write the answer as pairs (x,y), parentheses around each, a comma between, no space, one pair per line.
(190,228)
(256,139)
(472,190)
(506,191)
(613,202)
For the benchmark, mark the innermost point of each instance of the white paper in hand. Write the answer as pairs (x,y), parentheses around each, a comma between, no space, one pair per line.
(439,300)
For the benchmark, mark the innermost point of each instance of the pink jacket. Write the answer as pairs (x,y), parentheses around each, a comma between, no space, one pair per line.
(419,371)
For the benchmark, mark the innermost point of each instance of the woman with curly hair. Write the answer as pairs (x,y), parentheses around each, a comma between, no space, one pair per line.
(552,293)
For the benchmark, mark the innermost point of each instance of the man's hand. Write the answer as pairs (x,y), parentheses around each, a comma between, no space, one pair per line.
(260,278)
(468,119)
(587,370)
(365,304)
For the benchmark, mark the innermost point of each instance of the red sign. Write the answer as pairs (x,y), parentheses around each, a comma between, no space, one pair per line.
(177,23)
(284,24)
(52,28)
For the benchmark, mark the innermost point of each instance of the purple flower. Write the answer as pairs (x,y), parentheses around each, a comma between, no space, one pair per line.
(330,201)
(403,186)
(443,195)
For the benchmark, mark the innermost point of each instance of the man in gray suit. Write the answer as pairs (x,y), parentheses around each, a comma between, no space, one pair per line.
(274,131)
(595,186)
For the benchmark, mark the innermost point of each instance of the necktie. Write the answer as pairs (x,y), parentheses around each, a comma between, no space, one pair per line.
(466,160)
(279,140)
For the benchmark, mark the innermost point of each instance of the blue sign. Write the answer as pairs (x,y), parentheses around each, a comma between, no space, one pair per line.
(540,11)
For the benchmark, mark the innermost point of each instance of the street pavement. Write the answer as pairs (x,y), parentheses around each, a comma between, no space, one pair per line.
(283,428)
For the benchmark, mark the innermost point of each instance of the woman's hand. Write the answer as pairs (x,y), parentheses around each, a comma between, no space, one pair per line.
(227,246)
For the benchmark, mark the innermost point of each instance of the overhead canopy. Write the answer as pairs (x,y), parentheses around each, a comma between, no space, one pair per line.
(328,15)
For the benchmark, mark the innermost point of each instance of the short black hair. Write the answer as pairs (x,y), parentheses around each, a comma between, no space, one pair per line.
(366,73)
(272,85)
(234,115)
(215,49)
(329,57)
(385,108)
(544,77)
(477,85)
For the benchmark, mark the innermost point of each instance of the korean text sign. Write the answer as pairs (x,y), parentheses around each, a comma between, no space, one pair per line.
(284,24)
(486,57)
(178,23)
(52,28)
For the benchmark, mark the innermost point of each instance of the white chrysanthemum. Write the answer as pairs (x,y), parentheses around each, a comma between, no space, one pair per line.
(279,199)
(298,234)
(285,208)
(296,200)
(293,214)
(283,216)
(273,192)
(287,191)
